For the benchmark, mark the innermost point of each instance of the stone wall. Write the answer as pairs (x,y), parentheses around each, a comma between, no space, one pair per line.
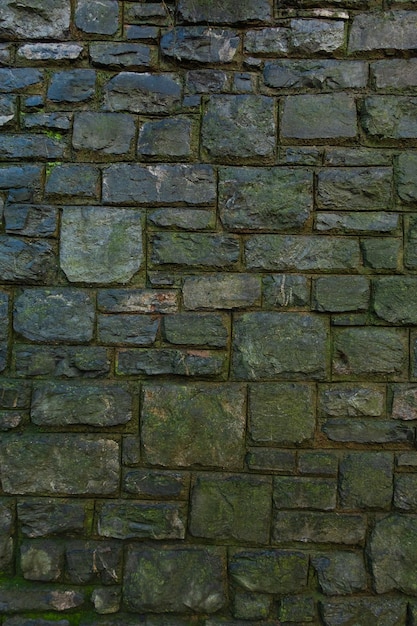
(208,313)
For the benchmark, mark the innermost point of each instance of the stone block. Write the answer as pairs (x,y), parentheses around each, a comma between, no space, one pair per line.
(101,245)
(42,560)
(226,11)
(7,110)
(14,394)
(50,52)
(367,431)
(65,404)
(135,330)
(271,460)
(174,362)
(319,117)
(61,361)
(405,492)
(139,520)
(406,183)
(304,253)
(271,199)
(318,527)
(340,573)
(194,250)
(387,30)
(42,597)
(269,571)
(270,345)
(43,517)
(98,17)
(35,147)
(202,424)
(248,128)
(357,471)
(324,74)
(19,78)
(222,506)
(135,56)
(367,610)
(166,139)
(318,463)
(95,472)
(410,241)
(392,550)
(137,301)
(389,118)
(351,223)
(395,299)
(73,181)
(381,254)
(316,36)
(26,262)
(24,21)
(103,133)
(7,522)
(297,609)
(221,291)
(356,157)
(174,579)
(94,561)
(181,218)
(251,605)
(20,176)
(370,352)
(367,188)
(285,291)
(341,293)
(281,413)
(72,86)
(351,400)
(30,220)
(293,492)
(395,74)
(143,93)
(59,314)
(130,183)
(157,484)
(198,329)
(206,81)
(200,44)
(404,402)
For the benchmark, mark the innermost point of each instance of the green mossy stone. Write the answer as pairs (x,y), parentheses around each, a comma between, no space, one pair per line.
(269,571)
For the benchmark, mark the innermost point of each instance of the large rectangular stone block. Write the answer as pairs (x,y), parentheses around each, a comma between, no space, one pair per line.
(359,188)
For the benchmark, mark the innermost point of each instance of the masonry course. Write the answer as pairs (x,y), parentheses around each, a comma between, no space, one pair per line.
(208,344)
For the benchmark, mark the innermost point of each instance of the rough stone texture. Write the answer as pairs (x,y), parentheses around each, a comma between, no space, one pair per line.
(39,518)
(389,117)
(341,293)
(97,17)
(269,571)
(34,19)
(167,139)
(351,400)
(198,43)
(137,520)
(381,611)
(406,184)
(142,93)
(340,573)
(61,361)
(191,250)
(319,117)
(201,425)
(294,345)
(104,133)
(245,196)
(355,189)
(323,74)
(72,86)
(359,470)
(228,11)
(392,30)
(221,291)
(101,245)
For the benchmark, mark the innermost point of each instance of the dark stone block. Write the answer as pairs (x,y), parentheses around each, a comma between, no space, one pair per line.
(143,93)
(26,262)
(139,520)
(39,518)
(201,44)
(98,17)
(269,571)
(72,86)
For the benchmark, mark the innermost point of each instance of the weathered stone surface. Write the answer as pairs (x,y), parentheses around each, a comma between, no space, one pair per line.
(389,117)
(347,400)
(272,199)
(378,611)
(389,30)
(26,262)
(104,133)
(30,220)
(39,598)
(14,394)
(285,291)
(94,561)
(269,571)
(221,291)
(7,110)
(395,300)
(206,81)
(99,17)
(157,485)
(50,51)
(319,74)
(222,506)
(314,527)
(405,492)
(251,605)
(199,43)
(225,11)
(355,188)
(304,493)
(297,609)
(320,117)
(101,245)
(406,183)
(410,236)
(122,55)
(318,463)
(156,362)
(370,352)
(340,573)
(71,181)
(35,19)
(271,460)
(143,93)
(42,560)
(248,128)
(19,78)
(278,345)
(10,420)
(196,329)
(191,250)
(181,580)
(166,139)
(14,147)
(59,314)
(367,431)
(7,519)
(392,550)
(356,157)
(61,361)
(72,86)
(59,122)
(129,183)
(137,301)
(136,330)
(302,253)
(138,520)
(149,13)
(95,472)
(381,253)
(357,223)
(316,36)
(42,517)
(202,425)
(357,471)
(281,413)
(341,293)
(20,176)
(404,403)
(395,74)
(62,404)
